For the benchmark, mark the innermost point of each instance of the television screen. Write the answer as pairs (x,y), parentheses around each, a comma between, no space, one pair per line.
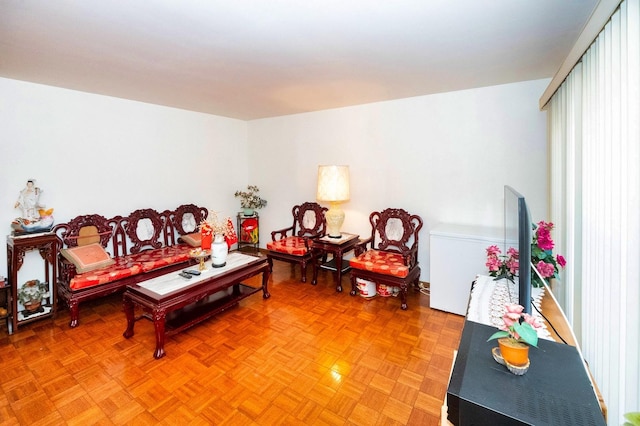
(517,234)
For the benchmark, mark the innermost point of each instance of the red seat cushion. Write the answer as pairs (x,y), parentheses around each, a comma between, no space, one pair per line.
(289,245)
(381,262)
(133,264)
(122,268)
(165,256)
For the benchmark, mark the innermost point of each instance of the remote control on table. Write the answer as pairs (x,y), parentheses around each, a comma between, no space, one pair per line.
(192,271)
(185,275)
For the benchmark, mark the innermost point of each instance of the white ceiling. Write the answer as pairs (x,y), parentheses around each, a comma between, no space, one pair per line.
(251,59)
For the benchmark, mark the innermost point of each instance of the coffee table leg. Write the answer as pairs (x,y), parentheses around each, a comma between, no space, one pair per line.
(159,317)
(265,281)
(128,311)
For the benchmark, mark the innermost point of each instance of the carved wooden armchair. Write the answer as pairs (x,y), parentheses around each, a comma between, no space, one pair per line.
(393,261)
(292,244)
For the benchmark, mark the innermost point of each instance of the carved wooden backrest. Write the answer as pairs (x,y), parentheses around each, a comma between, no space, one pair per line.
(144,228)
(309,219)
(187,217)
(395,229)
(85,229)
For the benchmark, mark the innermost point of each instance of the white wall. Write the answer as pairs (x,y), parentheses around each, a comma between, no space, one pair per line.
(97,154)
(444,157)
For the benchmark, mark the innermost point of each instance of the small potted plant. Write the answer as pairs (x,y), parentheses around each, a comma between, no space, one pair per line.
(31,294)
(517,333)
(250,200)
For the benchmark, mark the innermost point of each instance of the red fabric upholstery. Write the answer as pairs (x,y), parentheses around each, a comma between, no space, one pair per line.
(154,259)
(289,245)
(381,262)
(132,265)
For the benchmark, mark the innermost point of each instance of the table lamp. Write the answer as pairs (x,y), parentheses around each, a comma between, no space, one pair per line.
(333,186)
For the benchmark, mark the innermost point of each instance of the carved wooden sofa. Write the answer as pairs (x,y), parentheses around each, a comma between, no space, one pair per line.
(392,254)
(101,256)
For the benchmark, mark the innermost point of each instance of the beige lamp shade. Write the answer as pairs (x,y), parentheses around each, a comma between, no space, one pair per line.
(333,183)
(333,186)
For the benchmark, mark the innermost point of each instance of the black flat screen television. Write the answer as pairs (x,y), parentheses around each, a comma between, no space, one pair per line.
(517,234)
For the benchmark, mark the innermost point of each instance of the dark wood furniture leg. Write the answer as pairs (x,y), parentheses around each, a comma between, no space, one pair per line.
(128,308)
(159,319)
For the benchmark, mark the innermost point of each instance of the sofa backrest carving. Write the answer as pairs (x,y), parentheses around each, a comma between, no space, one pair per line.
(142,229)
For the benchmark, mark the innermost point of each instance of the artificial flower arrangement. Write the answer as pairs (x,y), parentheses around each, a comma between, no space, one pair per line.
(518,327)
(213,226)
(541,257)
(502,266)
(516,334)
(542,254)
(250,199)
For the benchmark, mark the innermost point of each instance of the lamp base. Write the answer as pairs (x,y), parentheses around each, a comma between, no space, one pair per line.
(335,218)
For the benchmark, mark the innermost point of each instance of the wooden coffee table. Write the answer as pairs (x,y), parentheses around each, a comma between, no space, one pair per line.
(174,303)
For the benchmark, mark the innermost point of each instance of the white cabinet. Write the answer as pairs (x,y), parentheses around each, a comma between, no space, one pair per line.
(457,255)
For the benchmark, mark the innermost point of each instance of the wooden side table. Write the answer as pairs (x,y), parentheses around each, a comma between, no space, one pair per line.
(248,231)
(17,246)
(338,247)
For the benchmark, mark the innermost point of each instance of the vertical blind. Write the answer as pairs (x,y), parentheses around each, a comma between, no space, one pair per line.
(594,137)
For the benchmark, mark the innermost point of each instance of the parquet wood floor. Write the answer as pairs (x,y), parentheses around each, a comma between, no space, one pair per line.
(306,356)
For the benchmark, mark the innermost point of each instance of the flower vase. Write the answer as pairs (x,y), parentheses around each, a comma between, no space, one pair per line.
(247,212)
(511,352)
(219,251)
(205,241)
(514,353)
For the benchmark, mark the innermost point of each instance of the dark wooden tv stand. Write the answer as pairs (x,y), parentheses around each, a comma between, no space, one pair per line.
(482,391)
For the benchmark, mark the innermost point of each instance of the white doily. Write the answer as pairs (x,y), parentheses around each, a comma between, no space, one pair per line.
(489,297)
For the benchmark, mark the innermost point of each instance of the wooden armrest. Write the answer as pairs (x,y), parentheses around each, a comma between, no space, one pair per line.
(281,233)
(310,237)
(361,247)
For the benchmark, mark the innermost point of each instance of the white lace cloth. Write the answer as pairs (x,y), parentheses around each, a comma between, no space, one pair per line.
(489,297)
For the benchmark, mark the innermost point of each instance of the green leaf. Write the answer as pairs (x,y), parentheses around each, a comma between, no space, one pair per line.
(498,334)
(527,333)
(633,417)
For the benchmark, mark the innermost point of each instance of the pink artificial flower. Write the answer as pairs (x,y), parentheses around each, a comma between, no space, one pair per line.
(543,234)
(561,260)
(532,321)
(546,269)
(493,251)
(493,263)
(513,308)
(513,266)
(513,252)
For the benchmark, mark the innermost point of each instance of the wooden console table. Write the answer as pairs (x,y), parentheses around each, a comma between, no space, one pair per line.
(162,299)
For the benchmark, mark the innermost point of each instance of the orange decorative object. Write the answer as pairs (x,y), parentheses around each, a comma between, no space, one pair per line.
(514,353)
(205,243)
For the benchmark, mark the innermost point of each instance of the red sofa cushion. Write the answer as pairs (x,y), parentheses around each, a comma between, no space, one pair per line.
(134,264)
(381,262)
(289,245)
